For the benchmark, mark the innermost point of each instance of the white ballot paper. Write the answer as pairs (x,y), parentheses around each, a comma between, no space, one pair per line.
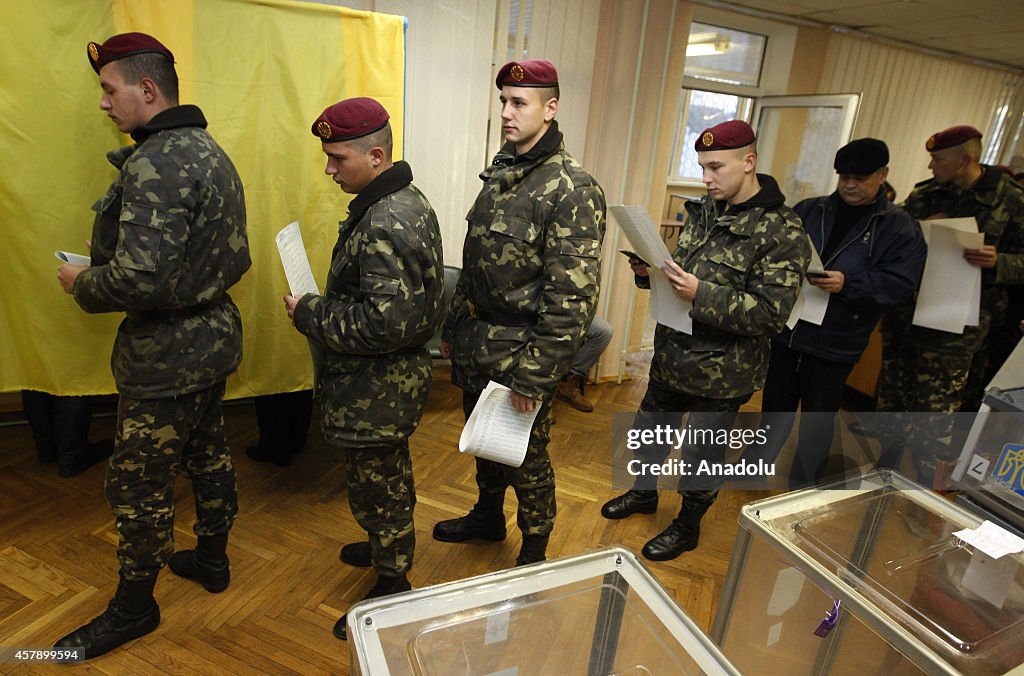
(812,303)
(666,307)
(295,261)
(992,539)
(950,295)
(73,258)
(300,282)
(496,431)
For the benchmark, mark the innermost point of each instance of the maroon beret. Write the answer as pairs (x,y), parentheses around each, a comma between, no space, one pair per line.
(122,45)
(532,73)
(349,119)
(725,136)
(954,136)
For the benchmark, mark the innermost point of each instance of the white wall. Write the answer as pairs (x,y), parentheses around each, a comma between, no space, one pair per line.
(448,70)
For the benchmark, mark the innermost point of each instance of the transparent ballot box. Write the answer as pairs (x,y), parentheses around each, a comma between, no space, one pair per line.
(868,578)
(596,613)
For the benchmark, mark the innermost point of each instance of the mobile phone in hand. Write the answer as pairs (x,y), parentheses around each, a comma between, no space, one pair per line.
(632,254)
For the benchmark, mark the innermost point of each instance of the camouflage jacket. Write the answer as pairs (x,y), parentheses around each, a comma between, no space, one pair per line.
(997,202)
(382,304)
(532,250)
(750,261)
(168,242)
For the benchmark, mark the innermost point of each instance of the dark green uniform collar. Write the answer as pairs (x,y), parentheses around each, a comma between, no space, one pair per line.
(392,180)
(172,118)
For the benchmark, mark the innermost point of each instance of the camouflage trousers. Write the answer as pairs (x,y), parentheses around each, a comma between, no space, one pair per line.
(155,439)
(382,496)
(533,481)
(916,380)
(703,413)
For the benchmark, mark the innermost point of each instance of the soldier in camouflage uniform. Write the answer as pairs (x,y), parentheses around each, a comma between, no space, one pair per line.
(926,370)
(168,242)
(382,304)
(527,293)
(740,261)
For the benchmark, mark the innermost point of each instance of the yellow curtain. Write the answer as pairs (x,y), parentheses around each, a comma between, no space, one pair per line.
(261,71)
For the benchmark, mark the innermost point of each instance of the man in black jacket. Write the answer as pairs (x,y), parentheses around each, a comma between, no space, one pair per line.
(873,253)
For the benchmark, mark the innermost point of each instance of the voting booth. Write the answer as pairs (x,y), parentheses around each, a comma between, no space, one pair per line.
(596,613)
(874,576)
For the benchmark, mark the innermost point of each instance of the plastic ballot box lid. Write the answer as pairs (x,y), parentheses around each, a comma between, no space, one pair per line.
(600,612)
(887,548)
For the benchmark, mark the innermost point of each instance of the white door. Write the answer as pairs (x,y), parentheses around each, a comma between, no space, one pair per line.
(797,139)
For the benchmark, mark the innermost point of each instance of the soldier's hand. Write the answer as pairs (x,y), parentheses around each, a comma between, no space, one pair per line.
(985,257)
(67,274)
(522,403)
(445,348)
(639,267)
(290,302)
(683,283)
(832,282)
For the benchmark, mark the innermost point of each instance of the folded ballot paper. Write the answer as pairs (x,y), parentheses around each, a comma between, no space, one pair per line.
(495,430)
(73,258)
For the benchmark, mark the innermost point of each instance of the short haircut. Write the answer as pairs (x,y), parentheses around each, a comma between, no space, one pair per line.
(972,148)
(747,149)
(156,67)
(382,137)
(548,93)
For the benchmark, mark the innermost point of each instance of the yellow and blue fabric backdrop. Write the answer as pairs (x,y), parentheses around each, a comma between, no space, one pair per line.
(261,70)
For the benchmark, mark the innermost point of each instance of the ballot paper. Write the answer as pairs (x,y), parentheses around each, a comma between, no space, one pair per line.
(300,282)
(497,431)
(812,303)
(950,295)
(73,258)
(666,306)
(295,262)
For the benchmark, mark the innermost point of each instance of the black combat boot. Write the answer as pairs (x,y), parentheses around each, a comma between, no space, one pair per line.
(385,586)
(357,554)
(486,521)
(681,536)
(533,550)
(207,564)
(631,502)
(132,613)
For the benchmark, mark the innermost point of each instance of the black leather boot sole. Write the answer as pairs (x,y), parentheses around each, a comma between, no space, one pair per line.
(470,527)
(671,542)
(629,503)
(113,628)
(214,579)
(356,554)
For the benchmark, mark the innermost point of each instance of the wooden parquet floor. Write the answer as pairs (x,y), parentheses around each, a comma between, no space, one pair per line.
(58,565)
